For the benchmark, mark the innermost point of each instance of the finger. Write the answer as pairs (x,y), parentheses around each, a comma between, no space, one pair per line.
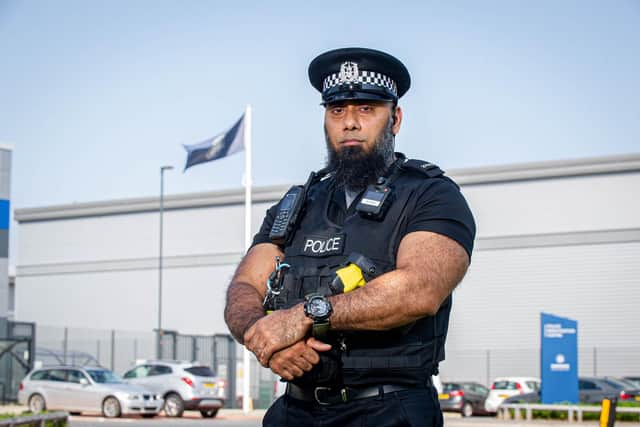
(249,333)
(310,355)
(265,356)
(302,363)
(318,345)
(283,373)
(295,371)
(286,376)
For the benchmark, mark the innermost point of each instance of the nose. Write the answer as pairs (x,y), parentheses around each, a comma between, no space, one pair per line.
(351,119)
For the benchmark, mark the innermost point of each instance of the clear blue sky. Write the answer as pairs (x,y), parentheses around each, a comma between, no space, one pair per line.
(96,95)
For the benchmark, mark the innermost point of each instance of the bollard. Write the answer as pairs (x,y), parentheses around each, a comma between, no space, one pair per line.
(608,414)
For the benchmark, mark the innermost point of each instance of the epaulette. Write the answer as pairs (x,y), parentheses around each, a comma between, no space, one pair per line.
(425,168)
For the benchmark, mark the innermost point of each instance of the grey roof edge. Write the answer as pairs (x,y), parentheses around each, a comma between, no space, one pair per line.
(546,169)
(149,204)
(466,176)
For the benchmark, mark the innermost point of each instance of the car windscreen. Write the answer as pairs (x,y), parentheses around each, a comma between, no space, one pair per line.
(505,385)
(619,384)
(104,376)
(200,371)
(450,387)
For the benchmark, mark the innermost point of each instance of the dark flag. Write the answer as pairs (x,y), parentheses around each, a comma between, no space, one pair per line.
(219,146)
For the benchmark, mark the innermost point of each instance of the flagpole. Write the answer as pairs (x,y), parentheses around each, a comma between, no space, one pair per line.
(247,404)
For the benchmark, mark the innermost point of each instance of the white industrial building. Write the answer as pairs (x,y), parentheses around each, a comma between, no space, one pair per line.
(561,237)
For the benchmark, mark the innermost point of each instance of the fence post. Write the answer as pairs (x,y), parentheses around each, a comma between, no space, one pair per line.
(174,354)
(231,369)
(65,344)
(488,358)
(214,355)
(113,349)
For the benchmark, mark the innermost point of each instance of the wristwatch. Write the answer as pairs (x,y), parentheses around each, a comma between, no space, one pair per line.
(318,308)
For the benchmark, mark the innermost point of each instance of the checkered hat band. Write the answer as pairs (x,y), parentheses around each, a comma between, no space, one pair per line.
(364,77)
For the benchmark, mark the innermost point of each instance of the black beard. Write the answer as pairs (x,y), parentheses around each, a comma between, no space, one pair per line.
(354,168)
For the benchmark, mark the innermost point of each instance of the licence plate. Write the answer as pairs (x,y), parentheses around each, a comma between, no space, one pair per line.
(503,396)
(208,385)
(443,396)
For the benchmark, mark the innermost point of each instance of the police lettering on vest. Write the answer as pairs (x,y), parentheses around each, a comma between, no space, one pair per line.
(323,245)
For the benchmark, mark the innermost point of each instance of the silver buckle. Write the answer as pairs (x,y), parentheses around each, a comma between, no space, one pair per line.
(315,394)
(343,395)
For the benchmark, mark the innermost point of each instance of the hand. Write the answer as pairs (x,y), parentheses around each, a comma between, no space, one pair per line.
(294,361)
(278,330)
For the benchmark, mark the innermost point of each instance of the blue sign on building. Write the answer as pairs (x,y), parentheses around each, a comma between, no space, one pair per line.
(559,359)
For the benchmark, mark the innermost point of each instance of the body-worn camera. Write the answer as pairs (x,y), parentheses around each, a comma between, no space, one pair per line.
(375,201)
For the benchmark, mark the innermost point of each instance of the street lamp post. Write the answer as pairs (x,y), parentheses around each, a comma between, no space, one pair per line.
(159,331)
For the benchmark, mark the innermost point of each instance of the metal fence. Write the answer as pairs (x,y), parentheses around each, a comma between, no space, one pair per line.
(119,351)
(16,357)
(114,349)
(484,365)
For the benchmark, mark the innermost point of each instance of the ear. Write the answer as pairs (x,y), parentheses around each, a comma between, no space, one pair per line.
(397,120)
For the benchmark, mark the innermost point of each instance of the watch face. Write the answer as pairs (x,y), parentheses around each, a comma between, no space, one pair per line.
(318,307)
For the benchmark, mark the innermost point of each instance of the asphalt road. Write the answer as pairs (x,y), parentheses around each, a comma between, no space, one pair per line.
(226,418)
(235,418)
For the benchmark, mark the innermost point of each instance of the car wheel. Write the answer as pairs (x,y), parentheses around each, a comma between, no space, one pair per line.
(209,413)
(111,407)
(467,409)
(37,403)
(173,405)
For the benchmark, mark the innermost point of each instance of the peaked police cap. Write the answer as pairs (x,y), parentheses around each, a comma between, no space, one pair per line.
(358,73)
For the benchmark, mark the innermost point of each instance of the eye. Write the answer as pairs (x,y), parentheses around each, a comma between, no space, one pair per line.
(336,110)
(366,108)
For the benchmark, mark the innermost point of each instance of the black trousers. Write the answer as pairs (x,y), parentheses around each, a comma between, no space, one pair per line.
(411,408)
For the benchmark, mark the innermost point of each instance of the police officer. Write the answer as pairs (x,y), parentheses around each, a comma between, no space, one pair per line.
(358,348)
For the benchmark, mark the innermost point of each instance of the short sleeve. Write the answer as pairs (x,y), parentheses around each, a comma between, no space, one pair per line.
(441,208)
(263,235)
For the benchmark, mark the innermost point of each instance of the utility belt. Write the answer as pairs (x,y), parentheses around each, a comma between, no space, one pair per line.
(336,395)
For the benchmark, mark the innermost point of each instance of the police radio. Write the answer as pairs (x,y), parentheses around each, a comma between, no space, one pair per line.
(288,211)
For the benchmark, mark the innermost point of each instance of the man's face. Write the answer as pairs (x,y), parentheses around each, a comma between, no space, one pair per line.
(360,141)
(357,125)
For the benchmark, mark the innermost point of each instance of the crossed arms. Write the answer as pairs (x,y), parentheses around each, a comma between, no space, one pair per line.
(429,267)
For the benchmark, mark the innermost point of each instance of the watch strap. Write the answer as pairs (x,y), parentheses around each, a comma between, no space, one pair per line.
(320,330)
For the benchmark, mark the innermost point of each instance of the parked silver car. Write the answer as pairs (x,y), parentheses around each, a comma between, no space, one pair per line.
(183,385)
(86,389)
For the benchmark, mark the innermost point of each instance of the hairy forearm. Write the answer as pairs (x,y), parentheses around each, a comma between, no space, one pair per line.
(428,271)
(243,309)
(387,302)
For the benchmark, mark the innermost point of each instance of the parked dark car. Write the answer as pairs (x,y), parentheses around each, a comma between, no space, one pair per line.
(633,380)
(533,397)
(594,389)
(465,397)
(591,390)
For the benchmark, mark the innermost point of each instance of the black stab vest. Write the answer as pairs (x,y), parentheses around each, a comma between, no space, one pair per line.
(405,355)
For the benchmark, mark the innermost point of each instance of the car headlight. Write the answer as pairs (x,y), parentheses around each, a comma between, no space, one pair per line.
(134,396)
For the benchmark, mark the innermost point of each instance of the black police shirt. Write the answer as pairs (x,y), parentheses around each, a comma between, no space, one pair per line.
(439,207)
